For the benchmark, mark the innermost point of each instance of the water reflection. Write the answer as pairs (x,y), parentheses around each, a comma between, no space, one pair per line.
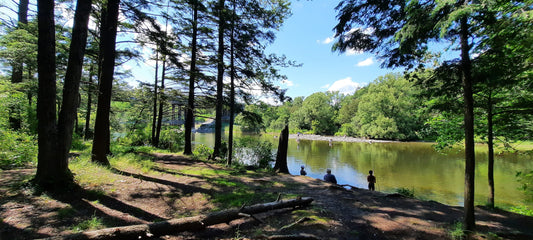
(416,166)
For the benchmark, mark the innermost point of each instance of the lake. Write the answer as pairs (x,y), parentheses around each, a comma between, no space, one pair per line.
(413,165)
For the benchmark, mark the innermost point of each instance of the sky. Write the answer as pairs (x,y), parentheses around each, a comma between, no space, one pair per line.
(307,38)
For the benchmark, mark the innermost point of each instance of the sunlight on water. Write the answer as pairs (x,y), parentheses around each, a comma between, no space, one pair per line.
(417,166)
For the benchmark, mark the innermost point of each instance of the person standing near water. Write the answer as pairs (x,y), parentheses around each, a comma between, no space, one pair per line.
(371,179)
(330,177)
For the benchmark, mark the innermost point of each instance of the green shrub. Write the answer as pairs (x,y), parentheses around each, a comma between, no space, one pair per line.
(202,152)
(406,192)
(172,139)
(457,231)
(253,152)
(16,149)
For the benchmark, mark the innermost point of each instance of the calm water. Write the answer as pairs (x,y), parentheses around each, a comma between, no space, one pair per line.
(416,166)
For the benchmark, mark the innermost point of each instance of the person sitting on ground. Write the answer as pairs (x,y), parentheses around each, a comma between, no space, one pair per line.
(330,177)
(371,179)
(302,171)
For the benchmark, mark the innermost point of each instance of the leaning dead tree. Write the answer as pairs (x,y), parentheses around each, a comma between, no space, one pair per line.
(195,223)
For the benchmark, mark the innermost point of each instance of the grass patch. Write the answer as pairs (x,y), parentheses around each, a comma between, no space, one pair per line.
(241,196)
(130,160)
(522,210)
(205,172)
(89,174)
(90,224)
(457,231)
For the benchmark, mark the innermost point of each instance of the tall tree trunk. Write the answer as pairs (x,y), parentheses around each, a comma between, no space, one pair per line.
(49,170)
(490,144)
(101,140)
(154,113)
(71,87)
(232,87)
(470,162)
(89,105)
(17,73)
(281,156)
(161,105)
(189,116)
(220,81)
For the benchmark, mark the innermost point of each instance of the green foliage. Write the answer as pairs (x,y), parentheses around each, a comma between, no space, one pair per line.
(522,210)
(388,110)
(316,114)
(172,139)
(202,152)
(250,120)
(525,178)
(406,192)
(17,149)
(253,152)
(457,231)
(92,223)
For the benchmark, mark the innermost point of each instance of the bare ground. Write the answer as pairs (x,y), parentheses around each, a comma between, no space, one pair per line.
(132,197)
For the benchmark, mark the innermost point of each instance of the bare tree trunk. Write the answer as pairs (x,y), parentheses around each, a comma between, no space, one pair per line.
(281,156)
(490,144)
(232,87)
(161,106)
(154,113)
(470,162)
(48,168)
(89,105)
(71,87)
(189,116)
(220,81)
(101,140)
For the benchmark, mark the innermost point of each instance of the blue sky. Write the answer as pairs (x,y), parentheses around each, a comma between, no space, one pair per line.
(306,37)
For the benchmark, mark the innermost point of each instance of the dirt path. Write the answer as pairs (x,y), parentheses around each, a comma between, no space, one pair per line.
(181,187)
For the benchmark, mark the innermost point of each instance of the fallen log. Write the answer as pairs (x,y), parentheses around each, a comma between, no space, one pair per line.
(172,226)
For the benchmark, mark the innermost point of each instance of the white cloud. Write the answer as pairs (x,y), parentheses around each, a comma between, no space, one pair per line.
(344,86)
(328,40)
(326,86)
(367,62)
(287,83)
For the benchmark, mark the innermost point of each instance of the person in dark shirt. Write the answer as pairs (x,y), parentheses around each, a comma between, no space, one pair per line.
(371,179)
(330,177)
(302,171)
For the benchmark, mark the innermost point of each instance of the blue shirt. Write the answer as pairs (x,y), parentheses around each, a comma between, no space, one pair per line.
(330,178)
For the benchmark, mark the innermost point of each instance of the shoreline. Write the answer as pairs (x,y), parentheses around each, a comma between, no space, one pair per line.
(336,138)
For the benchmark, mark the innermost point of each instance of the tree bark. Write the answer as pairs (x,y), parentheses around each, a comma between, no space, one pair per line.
(281,156)
(48,168)
(189,115)
(232,87)
(154,112)
(470,162)
(68,114)
(490,136)
(195,223)
(89,105)
(161,105)
(101,140)
(220,81)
